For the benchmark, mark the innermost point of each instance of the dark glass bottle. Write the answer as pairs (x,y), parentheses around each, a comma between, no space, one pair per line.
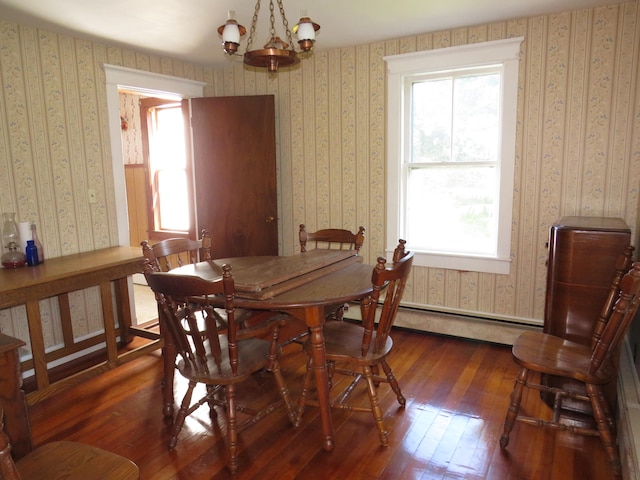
(32,254)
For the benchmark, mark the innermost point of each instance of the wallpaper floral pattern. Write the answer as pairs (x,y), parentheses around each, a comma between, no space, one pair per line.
(578,145)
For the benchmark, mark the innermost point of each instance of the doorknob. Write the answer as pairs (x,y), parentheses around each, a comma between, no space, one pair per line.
(271,219)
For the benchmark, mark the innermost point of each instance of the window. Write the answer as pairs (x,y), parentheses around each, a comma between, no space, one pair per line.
(451,154)
(167,165)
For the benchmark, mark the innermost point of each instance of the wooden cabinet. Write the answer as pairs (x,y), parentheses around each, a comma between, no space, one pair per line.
(12,398)
(582,257)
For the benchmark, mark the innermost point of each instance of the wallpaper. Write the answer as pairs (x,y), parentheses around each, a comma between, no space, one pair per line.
(577,153)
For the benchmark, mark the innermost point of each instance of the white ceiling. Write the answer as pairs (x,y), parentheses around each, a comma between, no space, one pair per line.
(187,29)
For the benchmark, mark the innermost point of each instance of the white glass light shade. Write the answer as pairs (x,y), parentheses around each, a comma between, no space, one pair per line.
(231,33)
(306,31)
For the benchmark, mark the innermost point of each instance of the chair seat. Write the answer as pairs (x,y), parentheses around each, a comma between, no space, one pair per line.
(343,342)
(253,351)
(75,461)
(556,356)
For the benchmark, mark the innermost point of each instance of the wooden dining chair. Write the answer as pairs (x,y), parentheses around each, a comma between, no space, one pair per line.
(220,359)
(331,238)
(171,253)
(168,254)
(357,350)
(592,367)
(63,460)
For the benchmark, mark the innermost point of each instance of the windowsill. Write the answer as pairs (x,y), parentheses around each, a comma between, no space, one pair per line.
(460,262)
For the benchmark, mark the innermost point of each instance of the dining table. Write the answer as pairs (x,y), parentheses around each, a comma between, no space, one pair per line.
(300,285)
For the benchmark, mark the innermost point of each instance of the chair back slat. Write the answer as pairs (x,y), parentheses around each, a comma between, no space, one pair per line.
(624,310)
(331,238)
(623,264)
(181,298)
(392,280)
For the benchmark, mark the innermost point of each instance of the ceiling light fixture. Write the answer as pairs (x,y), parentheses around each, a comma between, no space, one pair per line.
(276,52)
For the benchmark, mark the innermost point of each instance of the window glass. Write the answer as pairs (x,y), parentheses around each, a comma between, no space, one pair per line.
(168,168)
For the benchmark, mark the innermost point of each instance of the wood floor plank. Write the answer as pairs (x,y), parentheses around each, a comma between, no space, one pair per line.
(457,394)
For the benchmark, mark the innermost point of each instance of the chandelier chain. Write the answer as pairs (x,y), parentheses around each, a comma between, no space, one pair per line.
(253,25)
(286,24)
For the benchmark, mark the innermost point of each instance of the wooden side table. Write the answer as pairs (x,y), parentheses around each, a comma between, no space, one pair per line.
(107,268)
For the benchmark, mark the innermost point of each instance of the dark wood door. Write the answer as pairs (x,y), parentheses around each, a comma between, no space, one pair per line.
(234,159)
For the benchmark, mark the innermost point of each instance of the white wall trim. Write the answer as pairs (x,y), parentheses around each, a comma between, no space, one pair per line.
(146,83)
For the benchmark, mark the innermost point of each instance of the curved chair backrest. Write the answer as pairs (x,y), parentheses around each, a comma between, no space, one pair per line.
(336,238)
(175,252)
(624,310)
(623,265)
(393,280)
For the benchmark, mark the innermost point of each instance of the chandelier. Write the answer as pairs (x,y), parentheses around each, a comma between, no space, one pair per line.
(276,52)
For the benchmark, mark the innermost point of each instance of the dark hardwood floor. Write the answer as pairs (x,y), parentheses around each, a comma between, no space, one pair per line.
(457,394)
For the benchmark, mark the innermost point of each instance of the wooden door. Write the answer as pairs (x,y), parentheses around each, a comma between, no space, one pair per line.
(234,161)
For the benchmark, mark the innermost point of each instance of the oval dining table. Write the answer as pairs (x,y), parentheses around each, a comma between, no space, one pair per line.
(300,285)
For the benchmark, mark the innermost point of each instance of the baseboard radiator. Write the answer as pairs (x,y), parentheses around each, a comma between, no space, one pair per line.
(458,323)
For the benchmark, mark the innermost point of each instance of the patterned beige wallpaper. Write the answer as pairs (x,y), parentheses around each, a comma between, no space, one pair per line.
(578,144)
(131,134)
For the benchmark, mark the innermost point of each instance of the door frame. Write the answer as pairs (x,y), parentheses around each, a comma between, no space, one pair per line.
(148,84)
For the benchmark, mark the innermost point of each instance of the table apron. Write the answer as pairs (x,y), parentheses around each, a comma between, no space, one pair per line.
(52,288)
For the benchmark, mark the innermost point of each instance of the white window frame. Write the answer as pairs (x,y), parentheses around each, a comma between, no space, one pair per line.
(399,68)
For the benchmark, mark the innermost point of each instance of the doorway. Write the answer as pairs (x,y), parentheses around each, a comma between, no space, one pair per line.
(145,84)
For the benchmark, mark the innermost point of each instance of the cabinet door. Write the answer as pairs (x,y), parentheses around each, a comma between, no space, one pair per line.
(582,257)
(234,158)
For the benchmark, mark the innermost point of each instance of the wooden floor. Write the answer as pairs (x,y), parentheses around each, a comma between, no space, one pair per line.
(457,394)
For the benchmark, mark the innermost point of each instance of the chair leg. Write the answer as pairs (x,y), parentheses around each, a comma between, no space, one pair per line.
(169,364)
(394,383)
(232,433)
(339,313)
(514,406)
(211,391)
(602,418)
(284,392)
(182,414)
(273,348)
(375,406)
(306,387)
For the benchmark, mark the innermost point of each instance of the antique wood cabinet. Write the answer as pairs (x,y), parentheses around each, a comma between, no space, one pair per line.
(581,263)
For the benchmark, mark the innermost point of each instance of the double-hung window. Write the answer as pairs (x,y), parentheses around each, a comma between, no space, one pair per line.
(168,167)
(451,154)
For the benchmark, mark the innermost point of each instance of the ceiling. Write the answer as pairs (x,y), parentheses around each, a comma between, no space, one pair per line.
(187,29)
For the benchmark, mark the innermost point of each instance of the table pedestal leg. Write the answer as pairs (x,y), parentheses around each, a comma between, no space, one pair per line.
(315,320)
